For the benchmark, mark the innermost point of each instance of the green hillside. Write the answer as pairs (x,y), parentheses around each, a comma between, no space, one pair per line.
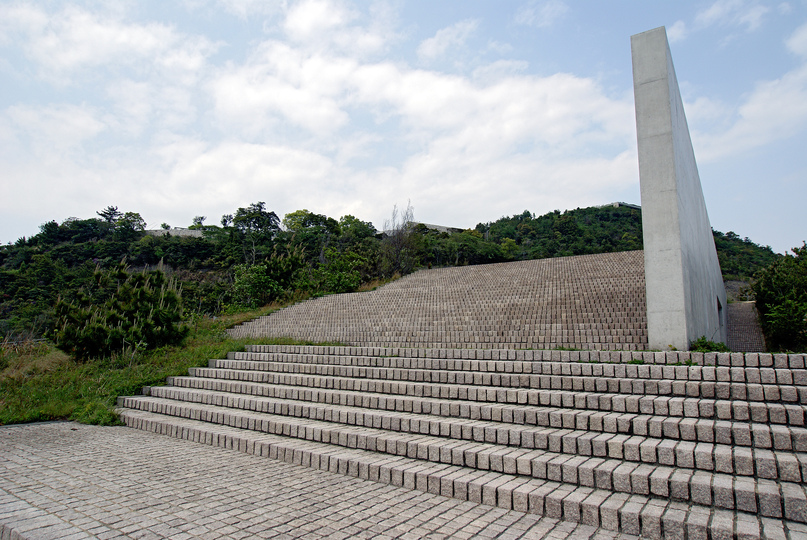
(252,258)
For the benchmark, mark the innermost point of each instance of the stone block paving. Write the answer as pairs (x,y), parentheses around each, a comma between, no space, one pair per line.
(744,331)
(584,302)
(71,481)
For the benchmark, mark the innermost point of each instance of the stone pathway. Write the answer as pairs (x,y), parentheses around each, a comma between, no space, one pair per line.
(71,481)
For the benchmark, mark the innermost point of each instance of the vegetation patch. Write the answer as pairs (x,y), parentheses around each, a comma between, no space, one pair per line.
(781,299)
(42,383)
(704,345)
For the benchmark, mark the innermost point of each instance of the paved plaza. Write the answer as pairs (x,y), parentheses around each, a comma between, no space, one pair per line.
(71,481)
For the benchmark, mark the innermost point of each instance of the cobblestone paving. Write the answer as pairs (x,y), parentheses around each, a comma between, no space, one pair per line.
(70,481)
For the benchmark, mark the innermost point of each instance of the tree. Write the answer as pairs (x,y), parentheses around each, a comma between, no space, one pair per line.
(129,226)
(110,214)
(123,313)
(313,231)
(781,298)
(341,273)
(397,254)
(354,231)
(509,248)
(259,284)
(257,226)
(253,286)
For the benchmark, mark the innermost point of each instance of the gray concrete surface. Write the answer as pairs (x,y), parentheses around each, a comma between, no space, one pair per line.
(686,298)
(71,481)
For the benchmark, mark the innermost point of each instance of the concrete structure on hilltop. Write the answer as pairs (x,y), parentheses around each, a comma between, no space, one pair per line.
(175,231)
(686,297)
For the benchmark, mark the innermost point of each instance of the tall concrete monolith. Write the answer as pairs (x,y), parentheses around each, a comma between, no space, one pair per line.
(686,298)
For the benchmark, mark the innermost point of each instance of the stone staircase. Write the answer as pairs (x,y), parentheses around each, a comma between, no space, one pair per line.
(456,384)
(662,445)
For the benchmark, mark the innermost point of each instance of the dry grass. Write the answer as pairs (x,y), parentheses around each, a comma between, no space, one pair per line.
(21,359)
(376,283)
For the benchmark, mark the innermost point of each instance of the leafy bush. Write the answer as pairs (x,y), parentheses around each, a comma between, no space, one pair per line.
(341,273)
(253,286)
(256,285)
(704,345)
(121,313)
(781,296)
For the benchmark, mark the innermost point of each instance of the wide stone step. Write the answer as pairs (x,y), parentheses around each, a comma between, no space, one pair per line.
(670,358)
(769,498)
(703,430)
(723,458)
(635,514)
(611,402)
(515,368)
(738,408)
(774,392)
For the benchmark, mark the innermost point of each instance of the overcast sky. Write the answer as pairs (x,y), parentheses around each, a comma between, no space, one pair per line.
(471,110)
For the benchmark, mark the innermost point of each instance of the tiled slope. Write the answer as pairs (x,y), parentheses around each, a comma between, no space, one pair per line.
(586,302)
(744,332)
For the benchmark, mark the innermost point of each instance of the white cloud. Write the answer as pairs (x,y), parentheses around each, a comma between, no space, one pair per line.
(797,42)
(708,111)
(541,14)
(245,9)
(133,104)
(732,13)
(501,69)
(279,82)
(312,18)
(56,127)
(499,47)
(76,39)
(452,37)
(334,26)
(775,110)
(233,173)
(677,32)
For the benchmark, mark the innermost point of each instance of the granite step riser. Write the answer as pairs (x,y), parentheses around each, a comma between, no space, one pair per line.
(673,359)
(608,474)
(752,375)
(583,383)
(503,429)
(658,405)
(634,514)
(625,415)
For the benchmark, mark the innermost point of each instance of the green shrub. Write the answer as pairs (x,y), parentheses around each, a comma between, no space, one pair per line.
(781,299)
(704,345)
(253,286)
(121,313)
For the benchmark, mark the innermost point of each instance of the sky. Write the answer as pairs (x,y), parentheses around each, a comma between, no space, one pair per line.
(468,110)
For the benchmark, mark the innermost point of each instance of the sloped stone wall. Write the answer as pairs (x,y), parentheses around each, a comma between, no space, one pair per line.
(586,302)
